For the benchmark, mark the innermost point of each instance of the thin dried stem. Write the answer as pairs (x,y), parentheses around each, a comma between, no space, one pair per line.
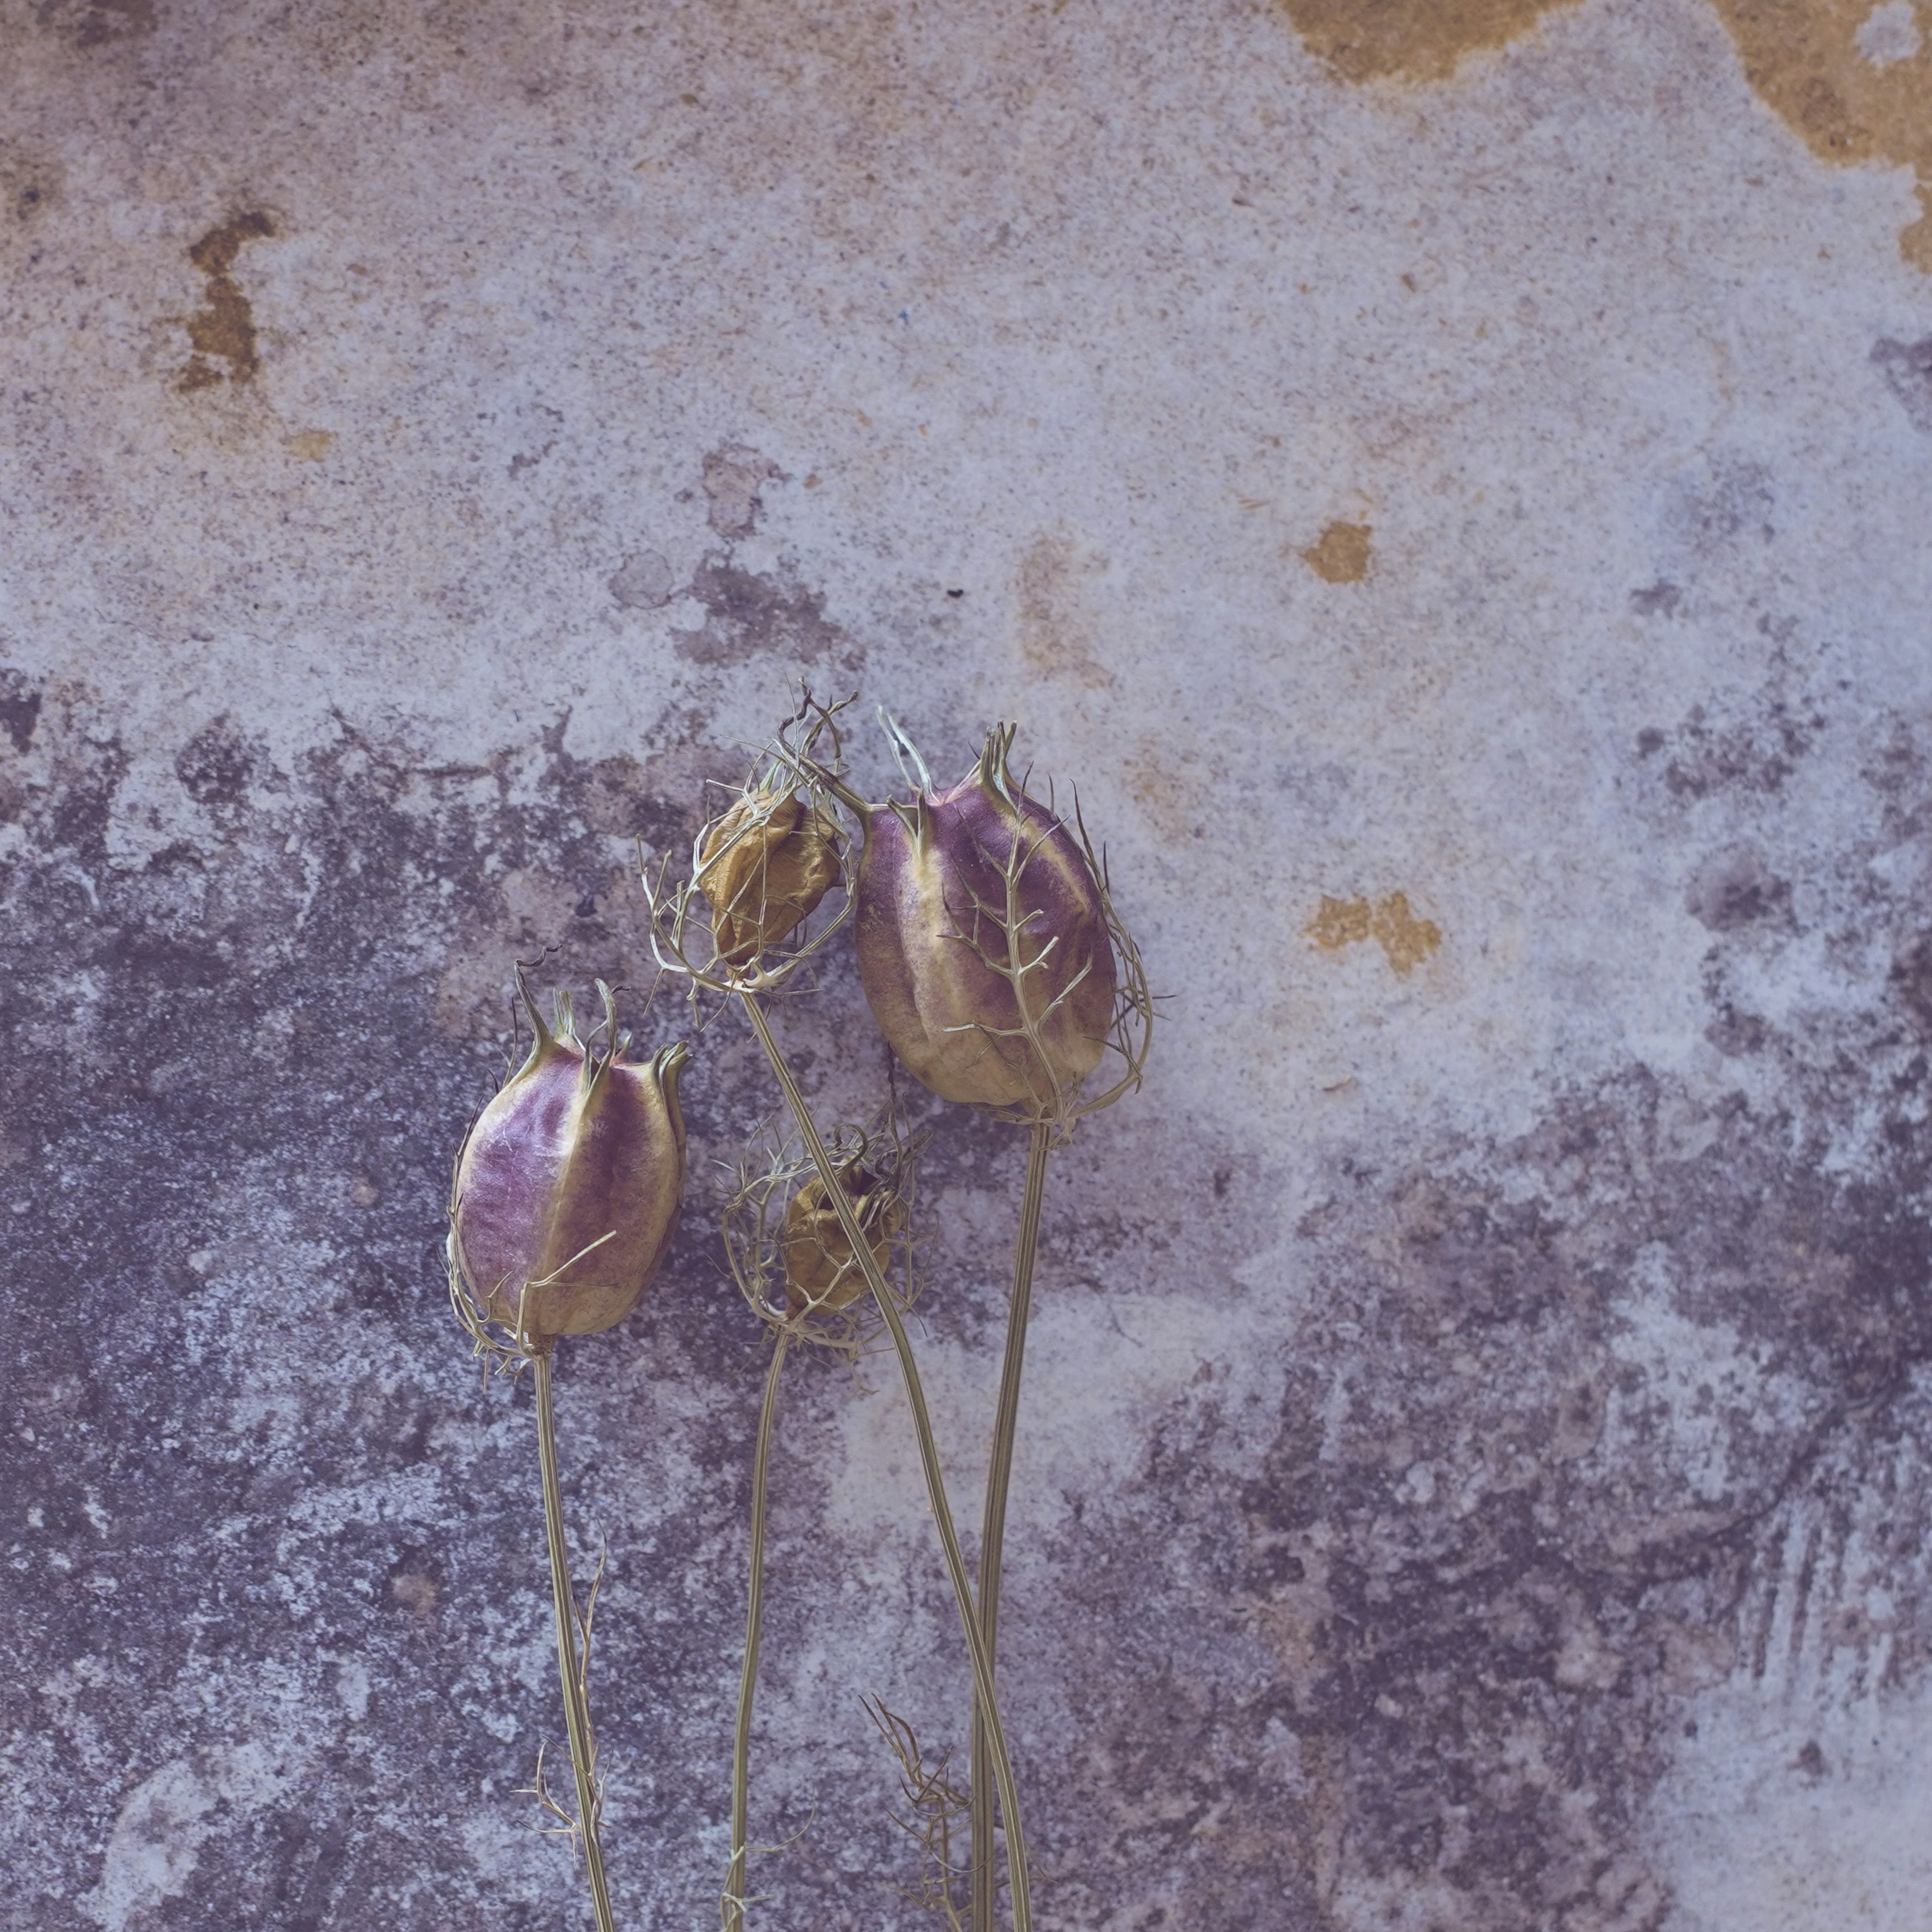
(767,1178)
(928,1452)
(732,1901)
(937,1808)
(993,1530)
(573,1665)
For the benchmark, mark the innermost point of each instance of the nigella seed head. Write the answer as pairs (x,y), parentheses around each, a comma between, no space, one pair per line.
(762,868)
(821,1266)
(568,1187)
(984,943)
(786,1245)
(738,922)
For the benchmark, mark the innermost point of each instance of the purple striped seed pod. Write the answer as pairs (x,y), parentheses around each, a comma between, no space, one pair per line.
(568,1188)
(983,942)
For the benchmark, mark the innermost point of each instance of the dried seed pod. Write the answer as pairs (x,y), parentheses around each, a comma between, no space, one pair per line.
(762,868)
(821,1270)
(568,1186)
(983,946)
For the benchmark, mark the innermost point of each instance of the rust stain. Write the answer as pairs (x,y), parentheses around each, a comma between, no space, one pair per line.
(1853,81)
(1409,39)
(1341,553)
(225,327)
(310,444)
(1058,635)
(1405,941)
(1168,785)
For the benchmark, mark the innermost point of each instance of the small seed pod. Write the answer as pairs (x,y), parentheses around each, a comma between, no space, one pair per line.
(983,940)
(762,868)
(568,1188)
(822,1272)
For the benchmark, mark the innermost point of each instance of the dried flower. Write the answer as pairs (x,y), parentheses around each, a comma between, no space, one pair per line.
(758,871)
(821,1270)
(763,868)
(985,942)
(788,1250)
(568,1187)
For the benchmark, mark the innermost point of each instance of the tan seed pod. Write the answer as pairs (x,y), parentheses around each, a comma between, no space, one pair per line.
(821,1271)
(762,868)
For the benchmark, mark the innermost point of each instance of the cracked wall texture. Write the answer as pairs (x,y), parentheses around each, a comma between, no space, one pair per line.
(1449,484)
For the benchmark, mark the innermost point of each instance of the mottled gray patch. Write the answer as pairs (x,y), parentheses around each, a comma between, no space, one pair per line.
(644,582)
(19,707)
(1752,747)
(1907,367)
(748,615)
(29,189)
(1733,888)
(1911,976)
(1506,1524)
(1661,598)
(1732,499)
(1405,1600)
(257,1462)
(544,421)
(215,766)
(1735,1033)
(732,478)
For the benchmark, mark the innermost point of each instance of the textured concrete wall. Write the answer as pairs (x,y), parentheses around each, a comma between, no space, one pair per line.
(1449,484)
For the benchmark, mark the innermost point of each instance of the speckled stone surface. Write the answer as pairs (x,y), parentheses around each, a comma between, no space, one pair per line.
(1449,484)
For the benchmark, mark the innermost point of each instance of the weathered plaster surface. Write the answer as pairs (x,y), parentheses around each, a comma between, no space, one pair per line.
(1450,486)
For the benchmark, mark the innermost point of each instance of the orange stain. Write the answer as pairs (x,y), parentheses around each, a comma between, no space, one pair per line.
(1405,941)
(1409,40)
(1853,82)
(1341,553)
(1851,79)
(225,327)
